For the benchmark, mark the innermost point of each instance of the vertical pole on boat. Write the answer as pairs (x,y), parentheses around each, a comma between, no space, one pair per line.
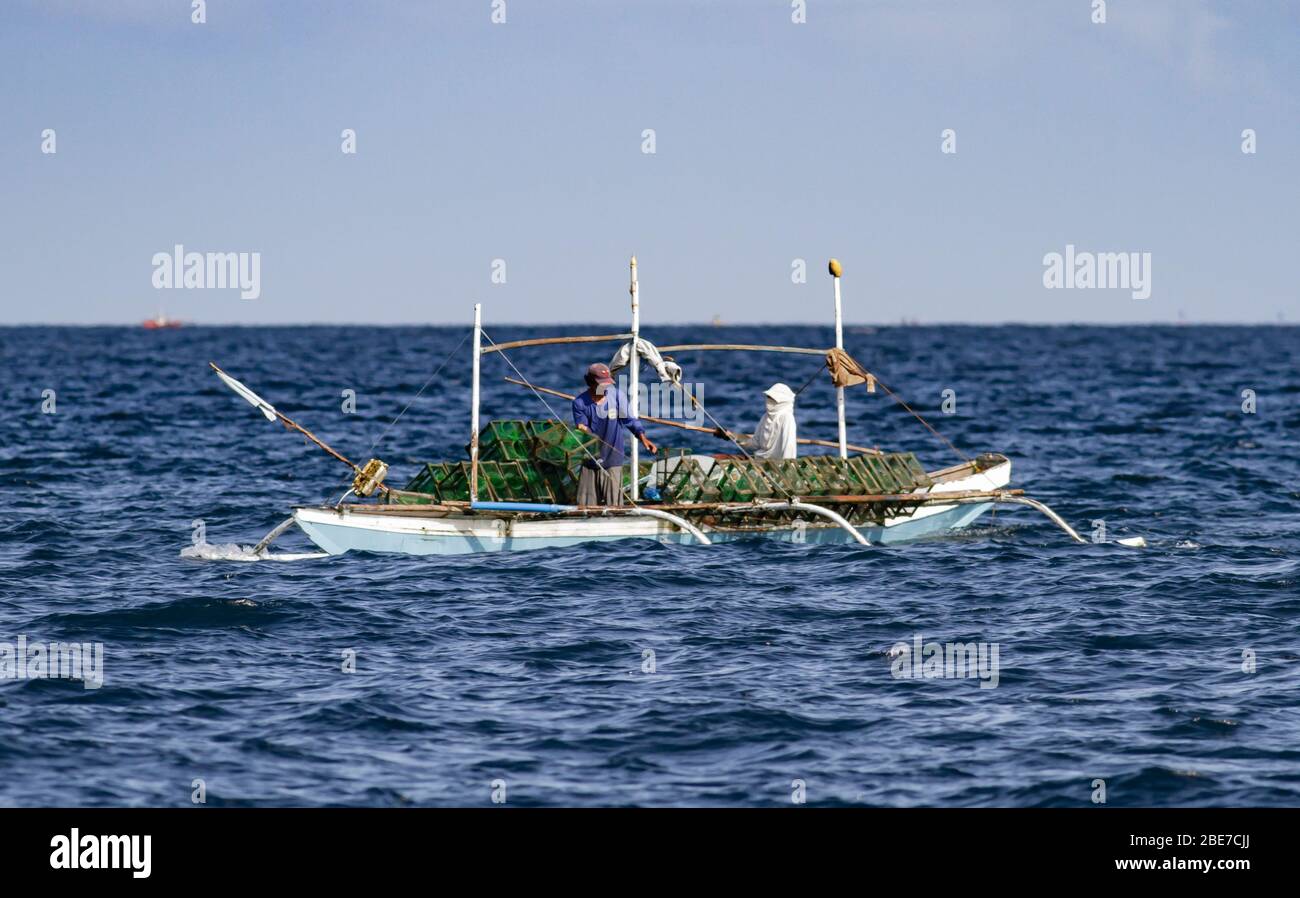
(836,270)
(473,415)
(634,365)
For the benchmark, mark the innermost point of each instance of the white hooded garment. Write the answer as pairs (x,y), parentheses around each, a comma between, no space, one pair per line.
(775,435)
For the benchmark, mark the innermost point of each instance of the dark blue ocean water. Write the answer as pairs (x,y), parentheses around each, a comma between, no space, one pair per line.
(771,660)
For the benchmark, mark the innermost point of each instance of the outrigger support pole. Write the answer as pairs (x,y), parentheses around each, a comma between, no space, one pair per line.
(640,511)
(1051,515)
(270,537)
(817,510)
(636,511)
(1133,542)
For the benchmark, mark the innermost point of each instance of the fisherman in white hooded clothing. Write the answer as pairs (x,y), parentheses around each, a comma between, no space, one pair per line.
(775,436)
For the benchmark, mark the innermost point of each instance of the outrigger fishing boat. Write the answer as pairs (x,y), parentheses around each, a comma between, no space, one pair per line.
(518,487)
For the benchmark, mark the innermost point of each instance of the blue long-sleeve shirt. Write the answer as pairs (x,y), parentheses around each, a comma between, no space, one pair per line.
(609,421)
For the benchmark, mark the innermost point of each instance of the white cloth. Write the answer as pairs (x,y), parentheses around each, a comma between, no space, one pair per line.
(775,436)
(669,372)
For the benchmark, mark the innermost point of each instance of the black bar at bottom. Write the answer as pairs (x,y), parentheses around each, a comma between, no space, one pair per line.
(211,846)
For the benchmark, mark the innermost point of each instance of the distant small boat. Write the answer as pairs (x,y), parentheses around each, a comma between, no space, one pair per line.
(161,322)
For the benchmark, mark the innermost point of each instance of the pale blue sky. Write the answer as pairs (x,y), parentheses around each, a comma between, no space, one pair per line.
(775,141)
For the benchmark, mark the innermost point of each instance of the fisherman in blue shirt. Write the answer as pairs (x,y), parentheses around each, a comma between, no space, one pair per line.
(604,412)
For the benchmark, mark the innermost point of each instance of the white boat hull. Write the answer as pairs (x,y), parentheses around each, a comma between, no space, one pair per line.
(350,528)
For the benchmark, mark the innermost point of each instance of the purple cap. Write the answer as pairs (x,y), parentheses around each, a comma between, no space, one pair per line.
(599,374)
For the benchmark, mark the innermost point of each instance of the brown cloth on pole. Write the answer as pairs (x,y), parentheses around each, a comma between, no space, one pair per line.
(846,372)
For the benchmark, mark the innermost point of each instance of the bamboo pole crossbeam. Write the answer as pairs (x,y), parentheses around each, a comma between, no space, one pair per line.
(740,347)
(553,341)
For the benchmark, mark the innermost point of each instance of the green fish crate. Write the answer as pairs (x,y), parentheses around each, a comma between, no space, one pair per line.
(745,481)
(810,470)
(455,486)
(565,447)
(491,484)
(562,482)
(505,480)
(858,478)
(434,479)
(505,452)
(685,482)
(866,476)
(733,485)
(539,489)
(536,428)
(502,441)
(424,481)
(507,431)
(765,479)
(917,473)
(793,477)
(711,488)
(883,474)
(832,474)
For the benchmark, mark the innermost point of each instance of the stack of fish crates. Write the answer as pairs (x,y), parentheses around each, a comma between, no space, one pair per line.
(519,461)
(540,461)
(745,480)
(558,451)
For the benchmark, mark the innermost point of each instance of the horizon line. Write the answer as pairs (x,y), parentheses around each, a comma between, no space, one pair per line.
(183,324)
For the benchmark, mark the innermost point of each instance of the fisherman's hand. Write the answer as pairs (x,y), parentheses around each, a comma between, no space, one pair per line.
(649,446)
(721,434)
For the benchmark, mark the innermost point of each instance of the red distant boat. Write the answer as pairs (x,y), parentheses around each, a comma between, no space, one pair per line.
(161,321)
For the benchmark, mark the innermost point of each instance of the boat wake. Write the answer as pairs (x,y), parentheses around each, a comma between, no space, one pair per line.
(236,552)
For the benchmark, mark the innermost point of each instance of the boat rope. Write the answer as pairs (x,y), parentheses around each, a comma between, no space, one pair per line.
(808,383)
(962,455)
(846,371)
(418,394)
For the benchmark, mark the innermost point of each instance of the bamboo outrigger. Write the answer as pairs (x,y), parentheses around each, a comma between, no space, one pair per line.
(871,497)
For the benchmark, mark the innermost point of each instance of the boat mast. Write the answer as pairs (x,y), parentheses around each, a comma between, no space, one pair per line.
(836,270)
(634,363)
(473,416)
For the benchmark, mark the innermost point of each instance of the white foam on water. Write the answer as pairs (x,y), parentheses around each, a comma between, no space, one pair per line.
(235,552)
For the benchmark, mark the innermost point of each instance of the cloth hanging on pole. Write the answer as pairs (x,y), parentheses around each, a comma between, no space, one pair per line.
(847,372)
(668,370)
